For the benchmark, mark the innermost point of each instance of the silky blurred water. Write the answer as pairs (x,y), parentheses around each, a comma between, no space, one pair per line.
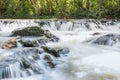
(86,61)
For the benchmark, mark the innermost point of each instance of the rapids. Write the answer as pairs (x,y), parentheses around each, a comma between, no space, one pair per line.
(88,58)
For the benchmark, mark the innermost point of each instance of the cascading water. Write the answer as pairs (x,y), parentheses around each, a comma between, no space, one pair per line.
(93,51)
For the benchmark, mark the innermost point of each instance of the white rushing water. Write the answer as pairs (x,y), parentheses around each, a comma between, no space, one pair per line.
(85,61)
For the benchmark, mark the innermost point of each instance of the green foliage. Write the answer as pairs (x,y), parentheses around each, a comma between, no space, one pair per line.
(59,9)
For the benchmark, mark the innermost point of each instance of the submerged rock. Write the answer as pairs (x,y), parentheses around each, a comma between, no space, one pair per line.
(26,64)
(42,41)
(51,37)
(63,51)
(109,39)
(96,33)
(47,57)
(11,43)
(51,51)
(33,43)
(29,43)
(56,52)
(49,61)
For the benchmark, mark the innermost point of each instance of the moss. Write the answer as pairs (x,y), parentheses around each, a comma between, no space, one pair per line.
(29,31)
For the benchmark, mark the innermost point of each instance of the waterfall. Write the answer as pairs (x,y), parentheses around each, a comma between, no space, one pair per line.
(61,25)
(10,25)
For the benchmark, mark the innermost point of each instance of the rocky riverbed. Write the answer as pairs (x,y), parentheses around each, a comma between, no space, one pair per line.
(59,49)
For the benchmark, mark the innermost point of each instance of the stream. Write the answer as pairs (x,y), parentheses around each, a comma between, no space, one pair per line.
(94,51)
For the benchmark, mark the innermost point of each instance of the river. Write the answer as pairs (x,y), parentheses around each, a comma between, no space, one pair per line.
(94,50)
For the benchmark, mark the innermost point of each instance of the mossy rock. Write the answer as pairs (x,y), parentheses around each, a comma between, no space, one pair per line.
(51,51)
(55,52)
(35,31)
(29,31)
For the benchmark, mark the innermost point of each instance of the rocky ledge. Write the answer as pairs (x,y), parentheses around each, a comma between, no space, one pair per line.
(32,31)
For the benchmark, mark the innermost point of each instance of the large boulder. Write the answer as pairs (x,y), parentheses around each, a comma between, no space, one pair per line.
(11,43)
(35,31)
(29,31)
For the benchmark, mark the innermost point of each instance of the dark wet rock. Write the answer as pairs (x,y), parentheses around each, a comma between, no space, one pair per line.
(103,21)
(43,41)
(29,31)
(50,64)
(109,39)
(96,33)
(11,43)
(7,22)
(37,69)
(51,51)
(47,57)
(29,63)
(33,43)
(49,61)
(41,23)
(56,52)
(54,38)
(63,51)
(87,26)
(38,51)
(25,64)
(36,57)
(112,23)
(29,43)
(51,37)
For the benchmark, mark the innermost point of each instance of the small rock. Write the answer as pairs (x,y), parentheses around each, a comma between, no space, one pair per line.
(11,43)
(49,61)
(47,57)
(26,64)
(50,36)
(42,41)
(96,33)
(63,51)
(51,65)
(51,51)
